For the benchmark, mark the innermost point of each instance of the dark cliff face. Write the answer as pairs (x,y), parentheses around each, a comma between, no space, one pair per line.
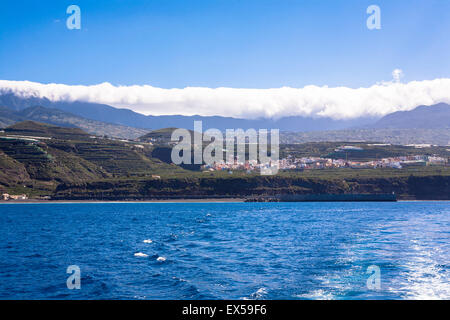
(420,188)
(67,163)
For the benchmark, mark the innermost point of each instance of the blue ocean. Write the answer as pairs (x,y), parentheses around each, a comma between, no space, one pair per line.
(226,250)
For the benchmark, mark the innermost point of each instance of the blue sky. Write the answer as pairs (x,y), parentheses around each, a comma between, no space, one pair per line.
(231,43)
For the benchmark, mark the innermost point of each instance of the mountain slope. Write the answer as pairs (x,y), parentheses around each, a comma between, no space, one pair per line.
(36,129)
(9,117)
(59,117)
(37,156)
(126,117)
(70,167)
(62,118)
(439,137)
(12,172)
(423,117)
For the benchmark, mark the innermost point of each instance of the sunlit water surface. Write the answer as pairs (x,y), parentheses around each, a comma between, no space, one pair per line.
(225,250)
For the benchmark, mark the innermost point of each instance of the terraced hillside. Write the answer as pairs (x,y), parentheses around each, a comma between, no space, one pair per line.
(33,155)
(369,151)
(67,163)
(115,157)
(36,129)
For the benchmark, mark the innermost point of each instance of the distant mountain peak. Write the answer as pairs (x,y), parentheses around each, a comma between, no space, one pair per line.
(58,117)
(422,117)
(126,117)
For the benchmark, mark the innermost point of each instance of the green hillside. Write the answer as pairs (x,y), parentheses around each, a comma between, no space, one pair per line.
(67,163)
(66,119)
(37,129)
(33,153)
(437,136)
(161,135)
(370,151)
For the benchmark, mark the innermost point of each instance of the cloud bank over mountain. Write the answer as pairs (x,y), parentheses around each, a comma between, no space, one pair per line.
(309,101)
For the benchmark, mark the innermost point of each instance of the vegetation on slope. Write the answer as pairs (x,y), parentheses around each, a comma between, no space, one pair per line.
(35,129)
(67,163)
(66,119)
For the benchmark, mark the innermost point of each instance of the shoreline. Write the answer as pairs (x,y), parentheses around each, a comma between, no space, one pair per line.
(187,200)
(224,200)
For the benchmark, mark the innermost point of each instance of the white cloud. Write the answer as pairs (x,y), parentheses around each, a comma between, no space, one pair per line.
(397,74)
(336,102)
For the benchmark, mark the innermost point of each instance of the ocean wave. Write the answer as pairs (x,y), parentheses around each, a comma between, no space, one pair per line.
(424,279)
(140,254)
(318,294)
(257,295)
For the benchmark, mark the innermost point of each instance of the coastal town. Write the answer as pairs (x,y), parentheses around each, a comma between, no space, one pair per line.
(7,197)
(315,163)
(42,162)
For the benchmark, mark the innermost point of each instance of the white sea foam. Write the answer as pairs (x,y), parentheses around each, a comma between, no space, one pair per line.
(259,294)
(161,259)
(316,295)
(147,241)
(424,278)
(140,254)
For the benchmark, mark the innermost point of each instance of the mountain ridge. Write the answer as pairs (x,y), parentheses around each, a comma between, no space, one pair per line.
(127,117)
(422,117)
(97,116)
(58,117)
